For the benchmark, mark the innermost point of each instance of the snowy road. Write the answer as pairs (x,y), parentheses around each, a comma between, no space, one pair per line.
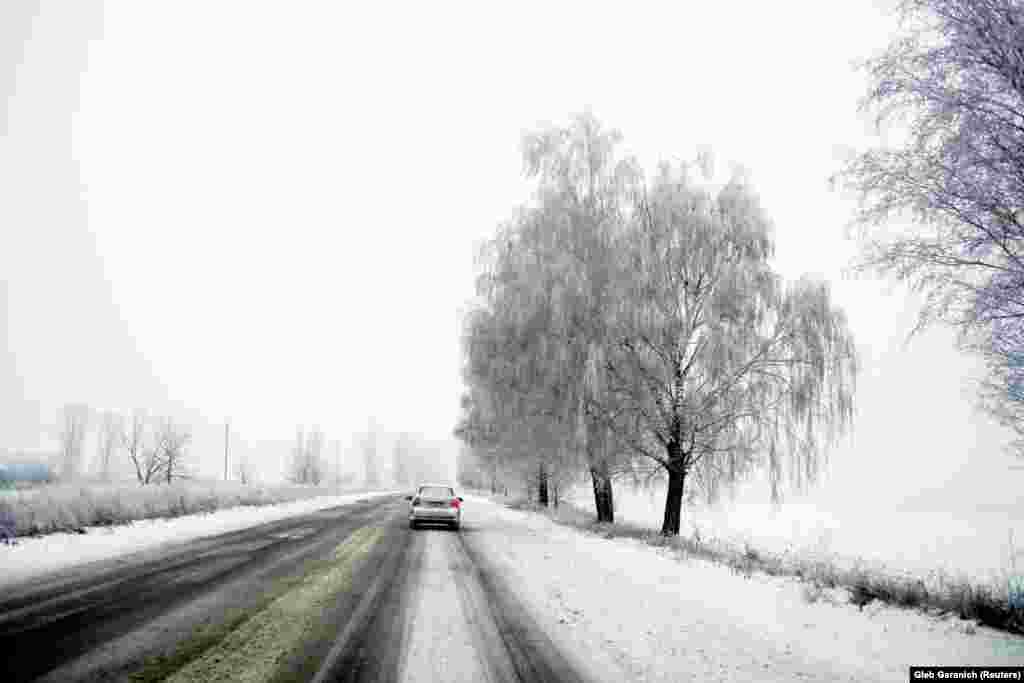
(344,594)
(350,593)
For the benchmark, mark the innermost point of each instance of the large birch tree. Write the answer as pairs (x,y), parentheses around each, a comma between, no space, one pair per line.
(723,367)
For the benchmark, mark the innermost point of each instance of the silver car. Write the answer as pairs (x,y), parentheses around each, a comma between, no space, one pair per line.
(435,503)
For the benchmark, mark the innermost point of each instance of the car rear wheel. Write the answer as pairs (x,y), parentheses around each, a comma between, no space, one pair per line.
(412,524)
(455,526)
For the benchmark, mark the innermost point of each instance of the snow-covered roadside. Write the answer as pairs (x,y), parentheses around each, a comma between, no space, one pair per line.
(32,557)
(640,614)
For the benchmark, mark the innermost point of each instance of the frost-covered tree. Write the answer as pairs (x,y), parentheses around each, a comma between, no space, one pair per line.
(74,424)
(482,462)
(586,191)
(401,464)
(371,468)
(616,322)
(954,80)
(307,462)
(244,470)
(135,441)
(170,448)
(108,441)
(489,407)
(544,287)
(314,459)
(719,366)
(513,368)
(297,470)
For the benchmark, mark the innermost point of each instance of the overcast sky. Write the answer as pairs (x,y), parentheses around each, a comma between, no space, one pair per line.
(268,211)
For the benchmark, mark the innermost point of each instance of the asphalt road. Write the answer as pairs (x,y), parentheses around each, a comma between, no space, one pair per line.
(344,594)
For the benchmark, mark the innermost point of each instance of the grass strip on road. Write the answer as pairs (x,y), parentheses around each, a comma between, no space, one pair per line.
(250,645)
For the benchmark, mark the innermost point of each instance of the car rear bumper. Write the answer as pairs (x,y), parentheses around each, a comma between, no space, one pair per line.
(434,514)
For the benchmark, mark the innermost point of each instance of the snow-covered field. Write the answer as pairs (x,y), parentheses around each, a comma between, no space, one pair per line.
(36,556)
(975,543)
(638,613)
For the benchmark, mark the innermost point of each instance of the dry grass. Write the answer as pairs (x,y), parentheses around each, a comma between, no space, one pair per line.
(71,507)
(996,605)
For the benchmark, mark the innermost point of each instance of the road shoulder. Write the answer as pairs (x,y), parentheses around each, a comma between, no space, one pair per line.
(635,612)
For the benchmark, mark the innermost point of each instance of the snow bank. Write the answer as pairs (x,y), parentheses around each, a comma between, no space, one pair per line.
(33,557)
(975,544)
(641,614)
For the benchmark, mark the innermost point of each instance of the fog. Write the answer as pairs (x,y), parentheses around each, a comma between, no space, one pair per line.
(240,212)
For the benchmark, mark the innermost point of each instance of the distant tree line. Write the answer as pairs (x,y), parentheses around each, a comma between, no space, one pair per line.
(155,448)
(307,462)
(412,460)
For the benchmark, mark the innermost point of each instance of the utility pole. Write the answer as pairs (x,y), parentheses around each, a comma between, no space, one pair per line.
(226,424)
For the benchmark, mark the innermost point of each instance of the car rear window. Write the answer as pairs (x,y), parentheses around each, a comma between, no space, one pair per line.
(436,492)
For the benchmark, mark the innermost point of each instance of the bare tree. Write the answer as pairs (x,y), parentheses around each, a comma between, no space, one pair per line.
(111,426)
(144,455)
(171,442)
(74,424)
(955,79)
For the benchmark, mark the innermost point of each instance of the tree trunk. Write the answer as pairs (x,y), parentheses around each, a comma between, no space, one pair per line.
(674,498)
(542,485)
(603,501)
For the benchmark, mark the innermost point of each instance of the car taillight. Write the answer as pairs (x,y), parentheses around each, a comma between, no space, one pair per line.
(455,503)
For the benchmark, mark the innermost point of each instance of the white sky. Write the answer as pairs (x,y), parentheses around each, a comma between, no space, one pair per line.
(279,207)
